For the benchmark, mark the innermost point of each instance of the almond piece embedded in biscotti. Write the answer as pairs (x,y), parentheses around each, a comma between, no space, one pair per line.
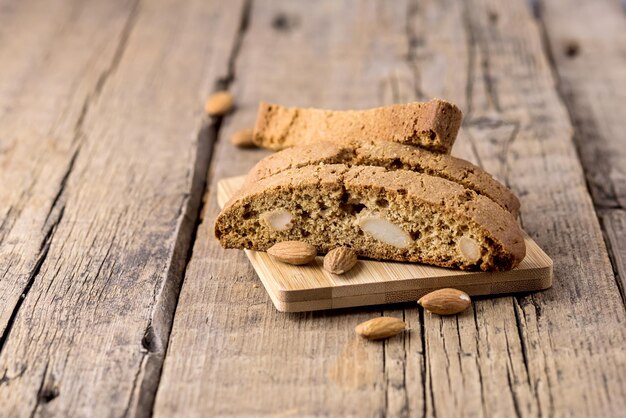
(293,252)
(277,220)
(384,231)
(469,249)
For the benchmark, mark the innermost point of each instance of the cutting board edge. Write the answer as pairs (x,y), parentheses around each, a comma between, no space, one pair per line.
(384,298)
(542,276)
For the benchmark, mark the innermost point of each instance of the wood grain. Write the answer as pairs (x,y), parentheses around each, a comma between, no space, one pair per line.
(591,79)
(102,158)
(554,353)
(100,110)
(50,74)
(518,128)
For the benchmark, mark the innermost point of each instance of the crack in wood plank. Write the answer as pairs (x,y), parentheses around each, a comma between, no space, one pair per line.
(156,342)
(520,330)
(43,253)
(614,230)
(39,390)
(107,72)
(227,80)
(385,374)
(57,202)
(483,401)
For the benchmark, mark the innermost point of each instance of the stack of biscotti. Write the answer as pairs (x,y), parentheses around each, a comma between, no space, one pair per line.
(379,181)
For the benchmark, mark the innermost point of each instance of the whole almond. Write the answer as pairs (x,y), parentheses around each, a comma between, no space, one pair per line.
(219,103)
(242,138)
(445,301)
(380,328)
(293,252)
(340,260)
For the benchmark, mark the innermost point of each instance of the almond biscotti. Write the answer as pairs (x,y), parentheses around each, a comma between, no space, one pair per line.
(432,125)
(389,215)
(392,156)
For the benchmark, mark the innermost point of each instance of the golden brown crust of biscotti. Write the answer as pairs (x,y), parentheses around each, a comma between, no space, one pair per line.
(391,156)
(432,125)
(326,201)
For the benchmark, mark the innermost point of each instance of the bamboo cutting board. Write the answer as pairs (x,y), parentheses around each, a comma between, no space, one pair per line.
(311,288)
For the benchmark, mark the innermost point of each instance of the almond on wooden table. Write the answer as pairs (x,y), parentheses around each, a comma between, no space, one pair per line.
(340,260)
(219,103)
(380,328)
(445,301)
(242,138)
(293,252)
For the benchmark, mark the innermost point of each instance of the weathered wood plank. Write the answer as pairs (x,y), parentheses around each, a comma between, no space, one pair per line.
(554,352)
(527,347)
(53,57)
(590,67)
(230,340)
(105,111)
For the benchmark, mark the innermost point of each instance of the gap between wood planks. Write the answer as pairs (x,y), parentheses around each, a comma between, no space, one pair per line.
(209,133)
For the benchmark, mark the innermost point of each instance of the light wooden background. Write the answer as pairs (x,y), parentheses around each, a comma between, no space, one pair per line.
(115,300)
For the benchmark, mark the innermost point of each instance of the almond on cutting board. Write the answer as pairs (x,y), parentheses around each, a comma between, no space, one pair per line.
(293,252)
(340,260)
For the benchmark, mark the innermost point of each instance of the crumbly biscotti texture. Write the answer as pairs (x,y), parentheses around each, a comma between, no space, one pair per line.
(392,156)
(432,125)
(388,215)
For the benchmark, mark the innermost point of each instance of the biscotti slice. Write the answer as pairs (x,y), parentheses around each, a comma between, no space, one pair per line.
(432,125)
(391,156)
(388,215)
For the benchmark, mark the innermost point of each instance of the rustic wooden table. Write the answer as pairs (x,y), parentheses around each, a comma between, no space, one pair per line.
(115,300)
